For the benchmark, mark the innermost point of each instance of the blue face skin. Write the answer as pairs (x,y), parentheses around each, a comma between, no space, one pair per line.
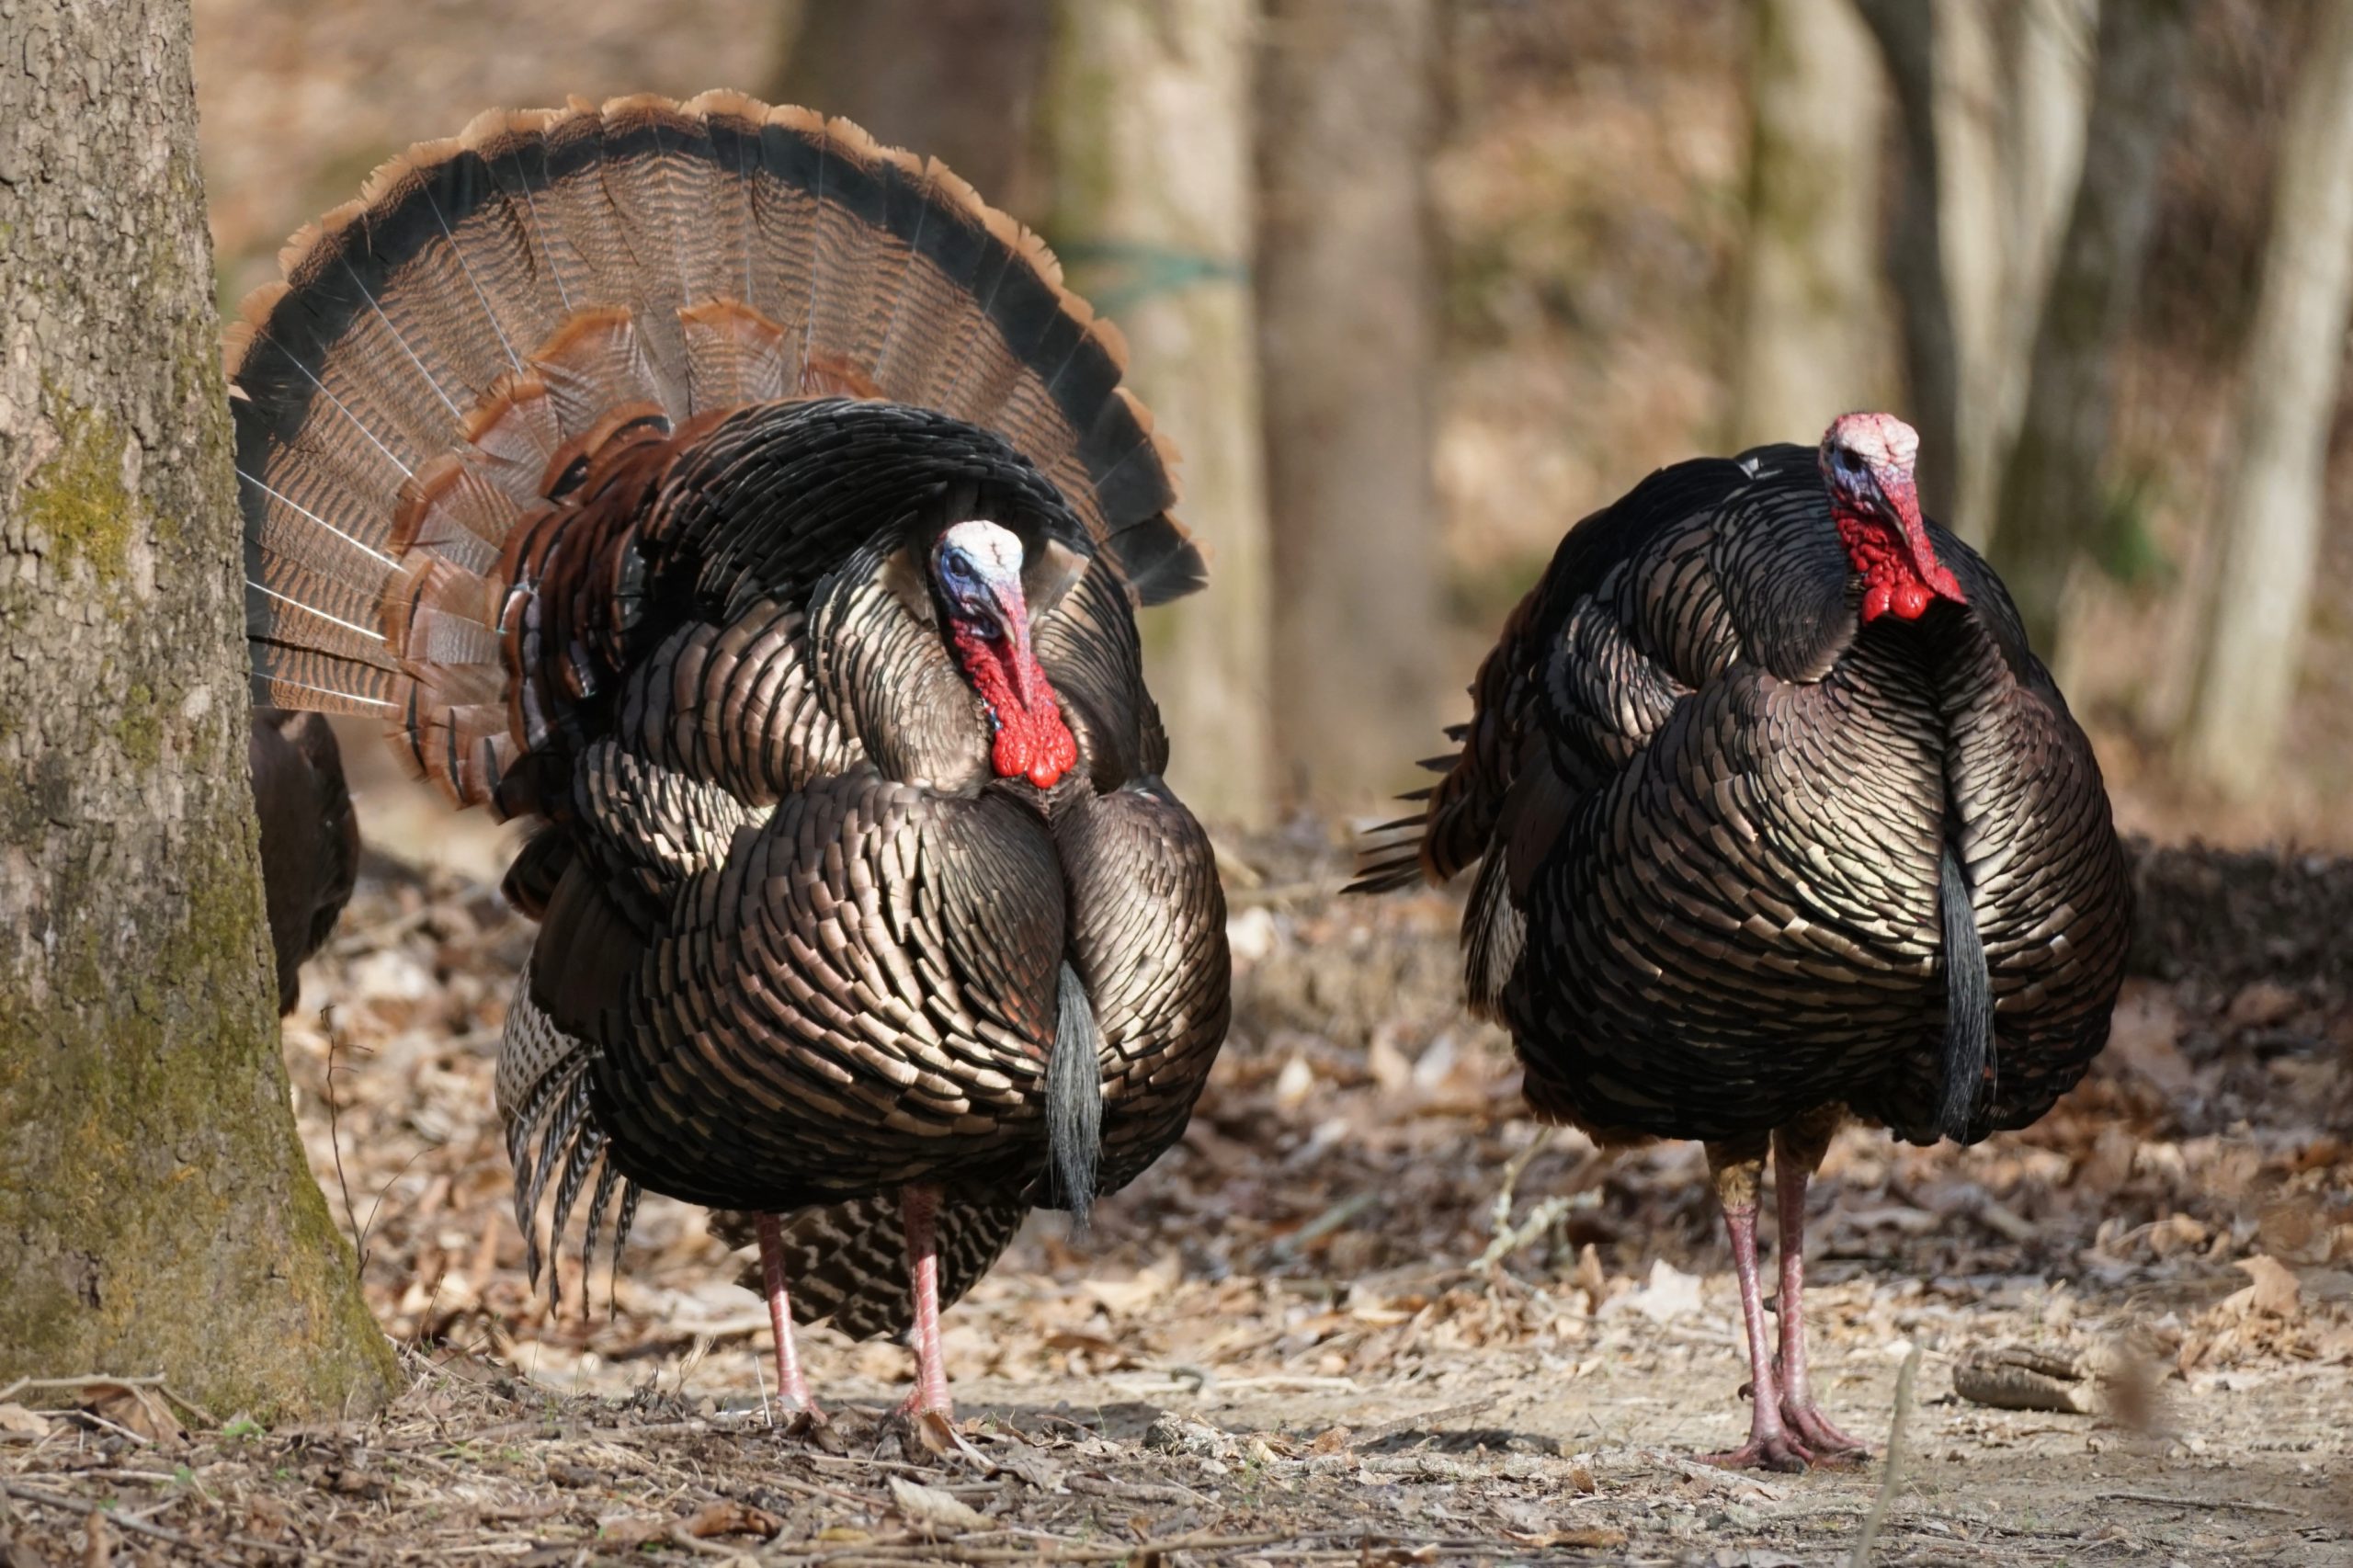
(980,584)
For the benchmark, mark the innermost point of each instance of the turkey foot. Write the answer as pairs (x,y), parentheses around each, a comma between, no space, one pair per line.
(1776,1451)
(1823,1441)
(918,1207)
(1771,1445)
(1796,1151)
(791,1387)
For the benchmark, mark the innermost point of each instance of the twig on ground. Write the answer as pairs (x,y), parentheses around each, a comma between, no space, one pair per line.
(1499,1216)
(1322,1225)
(152,1380)
(2239,1505)
(360,1246)
(334,1135)
(897,1555)
(1427,1419)
(1892,1474)
(79,1506)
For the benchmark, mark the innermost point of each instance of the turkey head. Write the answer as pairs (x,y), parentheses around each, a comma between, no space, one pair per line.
(1867,462)
(976,574)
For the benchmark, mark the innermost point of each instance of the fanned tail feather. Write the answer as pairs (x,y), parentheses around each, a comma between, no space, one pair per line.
(467,340)
(543,1090)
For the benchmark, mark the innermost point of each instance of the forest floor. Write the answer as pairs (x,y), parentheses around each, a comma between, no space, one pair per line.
(1366,1312)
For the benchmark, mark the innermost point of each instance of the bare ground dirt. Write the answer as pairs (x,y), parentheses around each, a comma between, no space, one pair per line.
(1366,1312)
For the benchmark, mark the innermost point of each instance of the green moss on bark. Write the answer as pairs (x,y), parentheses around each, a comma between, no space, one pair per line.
(174,1171)
(77,500)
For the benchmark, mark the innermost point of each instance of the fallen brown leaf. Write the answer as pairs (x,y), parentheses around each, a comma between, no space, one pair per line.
(728,1516)
(135,1410)
(17,1422)
(1591,1538)
(632,1529)
(2275,1292)
(933,1511)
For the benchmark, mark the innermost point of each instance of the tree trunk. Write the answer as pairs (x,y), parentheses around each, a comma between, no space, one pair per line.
(2271,508)
(1907,41)
(1148,117)
(1810,300)
(156,1215)
(2053,505)
(2050,52)
(1973,241)
(955,80)
(1349,349)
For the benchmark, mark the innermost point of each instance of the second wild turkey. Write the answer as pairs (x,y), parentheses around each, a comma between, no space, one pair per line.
(1777,819)
(750,508)
(310,837)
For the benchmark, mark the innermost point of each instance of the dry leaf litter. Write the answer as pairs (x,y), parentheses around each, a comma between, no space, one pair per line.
(1367,1312)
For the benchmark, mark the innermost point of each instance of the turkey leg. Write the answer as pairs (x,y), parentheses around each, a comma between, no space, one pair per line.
(793,1388)
(1739,1172)
(918,1207)
(1797,1154)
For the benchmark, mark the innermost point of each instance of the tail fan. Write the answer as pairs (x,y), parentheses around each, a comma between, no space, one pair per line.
(497,314)
(1968,1005)
(541,1088)
(847,1262)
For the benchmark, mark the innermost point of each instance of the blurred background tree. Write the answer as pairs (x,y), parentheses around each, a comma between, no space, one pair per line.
(1147,125)
(1812,290)
(2269,522)
(958,80)
(2054,504)
(1414,284)
(1347,120)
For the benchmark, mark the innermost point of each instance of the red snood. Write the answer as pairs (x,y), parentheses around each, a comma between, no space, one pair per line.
(1032,742)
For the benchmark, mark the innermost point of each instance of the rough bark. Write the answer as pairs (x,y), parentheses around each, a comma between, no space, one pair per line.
(1347,98)
(955,80)
(2270,516)
(1147,114)
(1906,33)
(1810,303)
(2054,503)
(156,1215)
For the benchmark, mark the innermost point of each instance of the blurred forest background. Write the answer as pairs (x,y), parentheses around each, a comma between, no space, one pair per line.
(1414,284)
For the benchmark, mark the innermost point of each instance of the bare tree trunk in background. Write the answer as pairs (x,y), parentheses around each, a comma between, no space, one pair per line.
(2050,54)
(955,80)
(1348,94)
(1148,113)
(2053,503)
(155,1212)
(1810,300)
(2271,507)
(1907,41)
(1993,94)
(1973,242)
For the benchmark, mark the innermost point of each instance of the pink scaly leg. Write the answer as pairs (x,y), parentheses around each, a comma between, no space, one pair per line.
(918,1205)
(1796,1151)
(1771,1445)
(793,1388)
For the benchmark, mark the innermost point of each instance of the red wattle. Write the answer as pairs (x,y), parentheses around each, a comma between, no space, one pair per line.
(1031,741)
(1900,578)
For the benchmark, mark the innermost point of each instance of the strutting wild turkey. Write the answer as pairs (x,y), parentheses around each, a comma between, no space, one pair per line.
(310,839)
(753,508)
(1777,819)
